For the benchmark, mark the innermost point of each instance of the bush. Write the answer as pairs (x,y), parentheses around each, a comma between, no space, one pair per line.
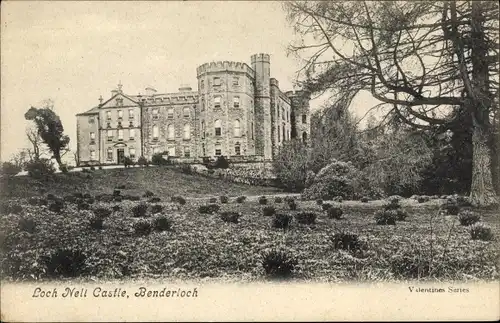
(179,199)
(325,206)
(278,263)
(102,212)
(241,199)
(116,192)
(186,169)
(401,215)
(451,207)
(224,199)
(392,205)
(423,199)
(319,201)
(480,231)
(338,199)
(154,200)
(56,206)
(157,208)
(83,205)
(100,167)
(212,200)
(116,208)
(463,200)
(364,199)
(148,194)
(262,200)
(142,161)
(157,159)
(221,162)
(407,264)
(335,179)
(346,241)
(231,217)
(40,169)
(290,166)
(268,210)
(127,162)
(162,224)
(10,169)
(306,218)
(278,199)
(208,209)
(27,225)
(97,223)
(292,205)
(142,227)
(139,210)
(335,212)
(467,217)
(65,263)
(281,221)
(384,217)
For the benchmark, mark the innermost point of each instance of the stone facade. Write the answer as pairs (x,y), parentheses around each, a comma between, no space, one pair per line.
(238,111)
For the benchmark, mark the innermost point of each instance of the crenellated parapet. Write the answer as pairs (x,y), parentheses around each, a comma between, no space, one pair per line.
(260,58)
(224,66)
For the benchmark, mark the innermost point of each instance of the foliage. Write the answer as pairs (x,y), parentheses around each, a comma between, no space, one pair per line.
(179,199)
(127,162)
(346,241)
(221,162)
(102,212)
(139,210)
(157,159)
(229,216)
(224,199)
(66,263)
(306,217)
(212,200)
(148,194)
(278,263)
(423,199)
(96,223)
(40,169)
(268,210)
(384,217)
(142,161)
(480,231)
(208,209)
(278,199)
(319,201)
(56,206)
(335,179)
(334,212)
(27,224)
(162,223)
(142,227)
(155,199)
(157,208)
(451,207)
(290,165)
(364,199)
(281,221)
(262,200)
(241,199)
(325,206)
(292,205)
(410,265)
(9,169)
(467,217)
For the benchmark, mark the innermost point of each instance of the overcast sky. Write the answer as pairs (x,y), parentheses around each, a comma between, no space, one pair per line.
(73,52)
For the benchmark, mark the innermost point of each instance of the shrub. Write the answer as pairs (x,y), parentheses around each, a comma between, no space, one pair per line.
(289,199)
(83,205)
(34,200)
(224,199)
(278,199)
(290,165)
(139,210)
(392,206)
(97,223)
(268,210)
(463,200)
(212,200)
(63,168)
(364,199)
(480,231)
(127,162)
(27,225)
(221,162)
(423,199)
(319,201)
(116,208)
(346,241)
(281,221)
(278,263)
(157,208)
(292,205)
(335,212)
(338,199)
(241,199)
(451,207)
(208,209)
(162,223)
(262,200)
(66,263)
(92,168)
(100,167)
(179,199)
(10,169)
(401,215)
(142,161)
(102,212)
(40,169)
(148,194)
(325,206)
(306,218)
(407,264)
(56,206)
(231,217)
(116,192)
(335,179)
(121,187)
(186,169)
(118,198)
(142,227)
(467,217)
(383,217)
(157,159)
(154,200)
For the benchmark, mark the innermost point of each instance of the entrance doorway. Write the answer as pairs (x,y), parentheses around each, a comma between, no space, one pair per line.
(121,155)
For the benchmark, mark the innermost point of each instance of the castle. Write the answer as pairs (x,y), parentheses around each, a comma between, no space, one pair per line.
(238,112)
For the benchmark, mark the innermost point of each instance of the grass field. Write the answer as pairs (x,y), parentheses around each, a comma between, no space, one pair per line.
(426,245)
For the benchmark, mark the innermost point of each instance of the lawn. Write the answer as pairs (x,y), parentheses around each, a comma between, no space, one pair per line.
(426,245)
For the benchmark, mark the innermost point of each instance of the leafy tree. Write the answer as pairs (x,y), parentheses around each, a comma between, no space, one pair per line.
(9,169)
(291,165)
(50,129)
(420,59)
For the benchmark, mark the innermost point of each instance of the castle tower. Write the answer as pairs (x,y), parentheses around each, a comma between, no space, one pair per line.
(301,115)
(263,143)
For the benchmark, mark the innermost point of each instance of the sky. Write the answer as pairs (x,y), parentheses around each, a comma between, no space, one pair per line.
(74,52)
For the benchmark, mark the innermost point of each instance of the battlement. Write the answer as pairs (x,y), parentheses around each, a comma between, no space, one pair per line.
(261,58)
(224,66)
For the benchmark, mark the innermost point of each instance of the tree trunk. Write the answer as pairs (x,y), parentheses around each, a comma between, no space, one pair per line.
(482,193)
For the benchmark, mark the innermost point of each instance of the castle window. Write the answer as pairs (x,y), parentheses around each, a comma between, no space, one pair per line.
(236,81)
(91,120)
(251,128)
(279,133)
(203,152)
(236,101)
(131,113)
(187,131)
(278,110)
(237,149)
(237,128)
(120,114)
(171,150)
(92,154)
(187,152)
(217,100)
(92,137)
(110,135)
(304,136)
(216,81)
(202,84)
(108,124)
(108,115)
(131,134)
(155,132)
(155,113)
(119,124)
(131,153)
(304,118)
(170,132)
(202,129)
(131,124)
(202,104)
(218,130)
(170,113)
(284,132)
(218,150)
(120,134)
(283,113)
(186,112)
(109,154)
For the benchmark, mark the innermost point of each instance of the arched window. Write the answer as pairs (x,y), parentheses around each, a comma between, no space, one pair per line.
(218,129)
(155,132)
(237,128)
(171,132)
(304,136)
(187,131)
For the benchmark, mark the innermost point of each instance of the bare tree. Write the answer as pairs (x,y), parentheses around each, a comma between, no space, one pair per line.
(422,60)
(37,145)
